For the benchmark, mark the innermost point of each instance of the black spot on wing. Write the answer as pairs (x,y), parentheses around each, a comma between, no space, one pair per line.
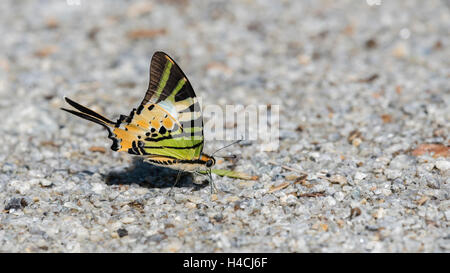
(130,117)
(139,110)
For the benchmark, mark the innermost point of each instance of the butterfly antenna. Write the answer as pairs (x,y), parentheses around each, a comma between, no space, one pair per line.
(226,146)
(227,156)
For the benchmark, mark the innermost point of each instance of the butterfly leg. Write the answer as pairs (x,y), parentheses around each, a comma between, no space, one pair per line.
(176,181)
(211,183)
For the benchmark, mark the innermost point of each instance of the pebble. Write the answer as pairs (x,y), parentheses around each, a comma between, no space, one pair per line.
(128,220)
(443,165)
(122,232)
(447,215)
(339,179)
(339,196)
(330,201)
(98,188)
(392,174)
(45,182)
(360,176)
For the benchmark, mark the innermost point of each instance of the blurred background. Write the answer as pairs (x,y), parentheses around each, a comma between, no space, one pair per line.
(360,84)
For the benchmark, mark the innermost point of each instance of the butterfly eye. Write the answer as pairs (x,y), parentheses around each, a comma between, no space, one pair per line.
(209,163)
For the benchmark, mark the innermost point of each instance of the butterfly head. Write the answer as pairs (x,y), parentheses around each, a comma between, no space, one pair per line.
(209,161)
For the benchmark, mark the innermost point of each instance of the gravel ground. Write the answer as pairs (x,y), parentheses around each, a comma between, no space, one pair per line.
(363,91)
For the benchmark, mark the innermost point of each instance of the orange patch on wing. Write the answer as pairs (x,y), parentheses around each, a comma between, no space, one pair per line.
(168,123)
(133,129)
(125,139)
(155,124)
(142,124)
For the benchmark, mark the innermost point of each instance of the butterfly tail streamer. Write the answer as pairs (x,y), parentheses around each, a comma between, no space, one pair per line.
(88,114)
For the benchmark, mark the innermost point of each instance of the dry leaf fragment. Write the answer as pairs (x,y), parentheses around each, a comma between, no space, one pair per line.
(386,118)
(49,143)
(278,187)
(146,33)
(349,29)
(139,8)
(422,200)
(338,179)
(378,214)
(436,149)
(371,43)
(300,128)
(45,51)
(304,59)
(370,78)
(98,149)
(52,23)
(355,212)
(313,194)
(301,179)
(437,45)
(352,135)
(354,138)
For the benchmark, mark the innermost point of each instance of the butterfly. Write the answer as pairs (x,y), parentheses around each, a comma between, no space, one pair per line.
(167,127)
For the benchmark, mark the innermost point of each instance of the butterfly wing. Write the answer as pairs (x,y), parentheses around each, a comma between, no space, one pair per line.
(169,121)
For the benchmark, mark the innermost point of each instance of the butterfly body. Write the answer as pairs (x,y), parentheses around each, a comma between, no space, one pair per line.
(167,127)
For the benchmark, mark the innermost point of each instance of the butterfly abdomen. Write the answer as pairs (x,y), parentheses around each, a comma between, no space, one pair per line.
(187,165)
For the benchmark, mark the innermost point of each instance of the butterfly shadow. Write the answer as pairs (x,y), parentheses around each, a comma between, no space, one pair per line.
(151,176)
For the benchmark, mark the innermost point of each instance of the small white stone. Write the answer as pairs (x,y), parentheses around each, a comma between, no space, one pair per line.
(392,174)
(447,215)
(443,165)
(96,236)
(298,245)
(283,199)
(82,232)
(98,188)
(339,196)
(113,195)
(291,200)
(427,166)
(128,220)
(115,226)
(190,205)
(45,182)
(360,176)
(444,205)
(141,191)
(70,205)
(21,186)
(330,201)
(174,246)
(338,179)
(159,200)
